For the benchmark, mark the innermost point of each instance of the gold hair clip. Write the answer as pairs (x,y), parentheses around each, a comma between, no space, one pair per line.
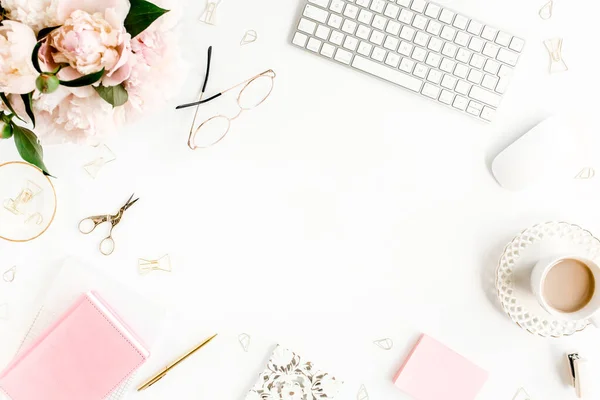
(554,47)
(209,16)
(244,340)
(384,344)
(93,168)
(249,37)
(362,393)
(27,194)
(9,274)
(546,11)
(162,264)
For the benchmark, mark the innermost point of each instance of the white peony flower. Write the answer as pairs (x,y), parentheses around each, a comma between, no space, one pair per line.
(37,14)
(17,74)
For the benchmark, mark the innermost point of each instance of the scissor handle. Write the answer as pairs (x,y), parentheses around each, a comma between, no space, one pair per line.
(87,225)
(107,246)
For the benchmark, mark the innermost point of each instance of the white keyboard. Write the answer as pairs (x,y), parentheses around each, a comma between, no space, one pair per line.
(421,46)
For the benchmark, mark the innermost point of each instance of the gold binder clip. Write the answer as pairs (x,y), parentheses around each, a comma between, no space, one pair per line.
(27,194)
(162,264)
(210,12)
(578,368)
(554,47)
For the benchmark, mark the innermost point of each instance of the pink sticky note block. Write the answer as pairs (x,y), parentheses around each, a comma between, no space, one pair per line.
(433,371)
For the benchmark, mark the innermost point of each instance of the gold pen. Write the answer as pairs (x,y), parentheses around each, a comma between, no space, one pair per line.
(162,373)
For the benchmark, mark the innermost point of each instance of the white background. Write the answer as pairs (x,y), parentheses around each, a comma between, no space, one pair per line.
(341,211)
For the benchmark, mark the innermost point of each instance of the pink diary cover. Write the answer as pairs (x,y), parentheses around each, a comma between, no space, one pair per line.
(435,372)
(85,355)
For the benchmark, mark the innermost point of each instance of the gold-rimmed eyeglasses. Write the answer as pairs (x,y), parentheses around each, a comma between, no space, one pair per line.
(254,92)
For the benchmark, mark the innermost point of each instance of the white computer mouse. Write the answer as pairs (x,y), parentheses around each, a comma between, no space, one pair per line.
(557,149)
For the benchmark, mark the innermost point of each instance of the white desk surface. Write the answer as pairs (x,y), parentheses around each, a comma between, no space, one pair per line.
(341,211)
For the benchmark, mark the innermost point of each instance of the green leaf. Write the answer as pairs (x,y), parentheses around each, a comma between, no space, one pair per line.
(113,95)
(29,147)
(85,80)
(46,31)
(35,57)
(141,15)
(27,101)
(8,105)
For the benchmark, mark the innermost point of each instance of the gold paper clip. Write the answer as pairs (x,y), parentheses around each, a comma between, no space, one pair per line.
(554,47)
(546,11)
(37,217)
(586,173)
(9,275)
(249,37)
(27,194)
(4,311)
(94,167)
(244,340)
(147,266)
(209,16)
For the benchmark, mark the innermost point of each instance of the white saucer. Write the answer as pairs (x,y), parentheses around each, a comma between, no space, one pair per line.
(514,268)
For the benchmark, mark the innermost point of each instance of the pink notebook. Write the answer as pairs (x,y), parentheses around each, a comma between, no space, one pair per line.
(85,355)
(433,372)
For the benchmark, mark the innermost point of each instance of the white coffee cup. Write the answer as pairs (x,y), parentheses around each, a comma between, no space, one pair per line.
(588,311)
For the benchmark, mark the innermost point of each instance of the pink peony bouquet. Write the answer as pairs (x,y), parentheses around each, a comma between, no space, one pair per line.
(75,70)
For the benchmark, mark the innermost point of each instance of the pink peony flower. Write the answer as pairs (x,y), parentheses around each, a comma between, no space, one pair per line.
(90,42)
(17,74)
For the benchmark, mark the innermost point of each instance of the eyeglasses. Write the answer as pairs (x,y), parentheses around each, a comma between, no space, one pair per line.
(254,92)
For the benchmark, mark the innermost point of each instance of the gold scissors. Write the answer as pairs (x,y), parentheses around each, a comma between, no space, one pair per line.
(87,225)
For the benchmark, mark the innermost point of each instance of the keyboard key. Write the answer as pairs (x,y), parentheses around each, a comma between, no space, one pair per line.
(393,28)
(365,16)
(507,57)
(300,39)
(446,97)
(448,33)
(351,11)
(489,82)
(377,37)
(314,45)
(378,6)
(391,10)
(419,54)
(307,26)
(378,54)
(490,50)
(491,66)
(434,76)
(488,113)
(430,90)
(327,50)
(484,96)
(349,26)
(322,32)
(460,103)
(463,56)
(406,16)
(387,73)
(420,22)
(363,32)
(405,48)
(463,87)
(343,56)
(475,76)
(321,3)
(517,44)
(363,3)
(337,37)
(433,60)
(392,59)
(462,39)
(404,3)
(337,6)
(435,44)
(351,43)
(407,33)
(461,71)
(447,65)
(316,13)
(418,5)
(365,48)
(449,50)
(434,27)
(489,33)
(421,71)
(477,61)
(502,84)
(421,38)
(503,39)
(475,27)
(335,21)
(449,82)
(505,71)
(379,22)
(407,65)
(474,108)
(476,44)
(460,21)
(433,10)
(446,16)
(391,43)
